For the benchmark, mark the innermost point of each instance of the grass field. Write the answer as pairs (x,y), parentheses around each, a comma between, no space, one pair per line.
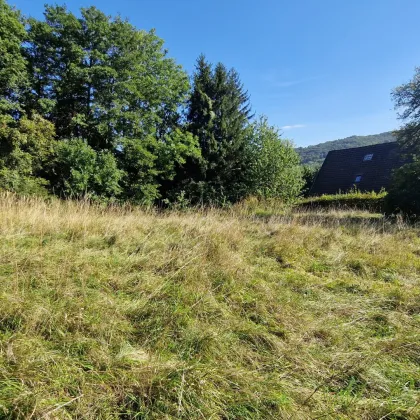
(128,314)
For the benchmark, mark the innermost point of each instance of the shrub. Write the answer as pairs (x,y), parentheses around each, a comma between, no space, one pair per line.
(275,171)
(309,174)
(26,148)
(15,181)
(81,171)
(404,194)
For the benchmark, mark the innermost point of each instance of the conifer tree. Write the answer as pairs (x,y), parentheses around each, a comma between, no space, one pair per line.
(219,112)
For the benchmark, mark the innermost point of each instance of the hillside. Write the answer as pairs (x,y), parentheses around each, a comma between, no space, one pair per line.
(123,314)
(315,155)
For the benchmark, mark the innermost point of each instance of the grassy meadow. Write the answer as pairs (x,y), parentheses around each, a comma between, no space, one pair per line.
(122,313)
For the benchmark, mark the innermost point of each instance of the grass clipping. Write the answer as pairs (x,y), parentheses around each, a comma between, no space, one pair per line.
(120,313)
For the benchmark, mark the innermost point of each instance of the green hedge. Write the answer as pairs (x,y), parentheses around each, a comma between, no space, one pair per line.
(372,201)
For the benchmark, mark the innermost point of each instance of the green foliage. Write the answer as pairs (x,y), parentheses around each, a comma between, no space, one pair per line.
(218,115)
(81,171)
(13,72)
(15,181)
(275,170)
(407,98)
(315,155)
(370,201)
(92,106)
(26,149)
(150,164)
(103,79)
(404,194)
(309,174)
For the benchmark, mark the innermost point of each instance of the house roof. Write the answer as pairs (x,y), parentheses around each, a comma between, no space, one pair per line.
(349,168)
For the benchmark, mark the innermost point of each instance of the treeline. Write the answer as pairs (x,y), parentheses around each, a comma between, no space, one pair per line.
(90,106)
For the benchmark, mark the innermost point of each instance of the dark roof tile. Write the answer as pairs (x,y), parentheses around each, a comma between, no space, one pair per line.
(341,167)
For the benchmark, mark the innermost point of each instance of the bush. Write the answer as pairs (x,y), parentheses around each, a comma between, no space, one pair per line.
(81,171)
(404,194)
(309,174)
(275,171)
(15,181)
(26,148)
(372,201)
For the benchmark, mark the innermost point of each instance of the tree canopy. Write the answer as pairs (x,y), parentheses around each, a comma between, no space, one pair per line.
(92,106)
(407,100)
(404,194)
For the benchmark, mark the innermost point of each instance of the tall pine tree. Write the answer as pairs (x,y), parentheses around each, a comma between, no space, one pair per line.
(218,114)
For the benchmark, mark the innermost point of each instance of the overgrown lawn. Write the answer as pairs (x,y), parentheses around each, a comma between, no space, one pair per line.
(122,313)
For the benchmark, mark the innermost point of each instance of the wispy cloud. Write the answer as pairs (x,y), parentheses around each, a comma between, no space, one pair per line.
(275,80)
(285,84)
(291,127)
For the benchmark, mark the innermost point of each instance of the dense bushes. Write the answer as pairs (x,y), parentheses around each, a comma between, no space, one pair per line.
(26,149)
(92,106)
(404,194)
(274,170)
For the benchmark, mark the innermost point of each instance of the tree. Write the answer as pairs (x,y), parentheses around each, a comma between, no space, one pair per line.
(275,171)
(404,191)
(407,98)
(150,165)
(218,114)
(13,70)
(83,172)
(26,150)
(26,142)
(309,173)
(101,79)
(92,106)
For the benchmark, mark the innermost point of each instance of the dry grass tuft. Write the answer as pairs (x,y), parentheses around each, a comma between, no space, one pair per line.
(125,313)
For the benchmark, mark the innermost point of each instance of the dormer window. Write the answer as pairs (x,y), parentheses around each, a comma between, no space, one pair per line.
(368,157)
(358,178)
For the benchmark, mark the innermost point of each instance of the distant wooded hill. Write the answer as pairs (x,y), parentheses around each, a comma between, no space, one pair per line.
(315,155)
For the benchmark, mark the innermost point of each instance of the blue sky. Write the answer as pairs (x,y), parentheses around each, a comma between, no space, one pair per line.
(321,69)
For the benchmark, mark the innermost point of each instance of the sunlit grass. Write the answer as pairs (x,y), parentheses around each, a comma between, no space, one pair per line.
(125,313)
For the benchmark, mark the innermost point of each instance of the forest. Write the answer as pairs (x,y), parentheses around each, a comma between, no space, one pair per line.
(93,107)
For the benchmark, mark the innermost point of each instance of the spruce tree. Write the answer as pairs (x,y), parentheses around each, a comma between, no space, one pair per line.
(218,114)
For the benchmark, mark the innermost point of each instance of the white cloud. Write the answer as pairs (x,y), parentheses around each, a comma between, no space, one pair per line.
(286,84)
(273,78)
(291,127)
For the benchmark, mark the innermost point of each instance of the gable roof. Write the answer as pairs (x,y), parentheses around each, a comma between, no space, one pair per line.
(342,168)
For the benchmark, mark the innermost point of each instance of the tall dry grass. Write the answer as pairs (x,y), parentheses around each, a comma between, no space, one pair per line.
(127,313)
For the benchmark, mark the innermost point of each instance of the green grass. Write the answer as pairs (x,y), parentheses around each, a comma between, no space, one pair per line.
(368,201)
(128,314)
